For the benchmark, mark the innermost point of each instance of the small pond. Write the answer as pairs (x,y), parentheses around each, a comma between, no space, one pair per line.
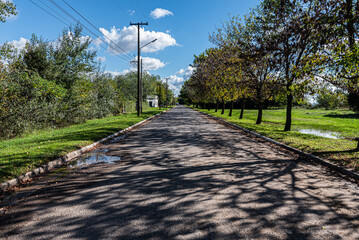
(320,133)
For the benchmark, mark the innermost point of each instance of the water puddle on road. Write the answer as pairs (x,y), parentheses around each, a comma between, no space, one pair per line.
(320,133)
(99,155)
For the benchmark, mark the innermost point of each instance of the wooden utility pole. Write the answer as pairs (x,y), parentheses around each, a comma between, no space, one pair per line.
(138,66)
(167,92)
(141,87)
(160,95)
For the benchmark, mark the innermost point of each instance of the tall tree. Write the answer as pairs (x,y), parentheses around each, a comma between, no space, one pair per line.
(294,44)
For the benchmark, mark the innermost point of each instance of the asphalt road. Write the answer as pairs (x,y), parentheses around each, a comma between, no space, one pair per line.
(183,176)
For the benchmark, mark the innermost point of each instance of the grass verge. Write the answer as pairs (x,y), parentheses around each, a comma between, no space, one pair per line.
(22,154)
(343,123)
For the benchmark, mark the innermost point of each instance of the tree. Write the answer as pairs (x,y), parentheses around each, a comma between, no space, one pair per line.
(254,62)
(329,97)
(7,9)
(294,44)
(341,48)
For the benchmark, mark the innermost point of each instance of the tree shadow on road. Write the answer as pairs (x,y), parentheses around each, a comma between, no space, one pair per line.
(192,183)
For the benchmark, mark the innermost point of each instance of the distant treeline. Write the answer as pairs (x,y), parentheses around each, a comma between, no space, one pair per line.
(57,83)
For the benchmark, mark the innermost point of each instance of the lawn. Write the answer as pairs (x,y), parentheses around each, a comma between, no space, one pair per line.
(341,123)
(22,154)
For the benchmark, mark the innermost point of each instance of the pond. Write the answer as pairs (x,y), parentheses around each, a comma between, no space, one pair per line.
(320,133)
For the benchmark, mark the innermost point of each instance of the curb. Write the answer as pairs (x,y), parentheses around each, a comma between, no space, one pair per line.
(68,157)
(326,163)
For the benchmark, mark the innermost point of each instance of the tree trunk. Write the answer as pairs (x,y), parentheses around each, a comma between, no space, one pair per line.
(223,107)
(231,109)
(204,106)
(242,109)
(209,106)
(217,106)
(260,113)
(288,121)
(350,23)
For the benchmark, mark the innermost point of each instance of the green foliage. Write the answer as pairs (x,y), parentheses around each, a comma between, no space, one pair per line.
(345,123)
(7,9)
(22,154)
(282,49)
(330,99)
(54,84)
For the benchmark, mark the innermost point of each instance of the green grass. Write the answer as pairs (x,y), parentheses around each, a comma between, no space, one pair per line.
(343,122)
(22,154)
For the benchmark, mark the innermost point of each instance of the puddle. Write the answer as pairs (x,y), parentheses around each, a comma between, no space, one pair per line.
(319,133)
(118,138)
(99,155)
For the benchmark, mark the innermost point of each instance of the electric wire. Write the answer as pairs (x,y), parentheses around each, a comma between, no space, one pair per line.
(54,11)
(76,20)
(48,12)
(120,7)
(69,25)
(134,9)
(92,25)
(142,12)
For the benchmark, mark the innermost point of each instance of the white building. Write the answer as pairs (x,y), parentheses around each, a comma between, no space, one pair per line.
(152,100)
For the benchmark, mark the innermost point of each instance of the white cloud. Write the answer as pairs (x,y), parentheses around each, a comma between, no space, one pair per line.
(175,79)
(160,12)
(20,44)
(116,73)
(186,72)
(126,38)
(152,63)
(131,12)
(101,59)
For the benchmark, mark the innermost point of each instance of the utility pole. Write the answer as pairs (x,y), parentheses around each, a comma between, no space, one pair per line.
(167,91)
(160,95)
(139,24)
(141,102)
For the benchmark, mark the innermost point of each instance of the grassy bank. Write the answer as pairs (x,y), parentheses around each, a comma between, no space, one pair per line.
(342,123)
(19,155)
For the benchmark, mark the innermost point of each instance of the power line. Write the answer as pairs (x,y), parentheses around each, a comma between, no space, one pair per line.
(48,12)
(141,11)
(134,8)
(58,14)
(123,11)
(69,25)
(76,20)
(96,28)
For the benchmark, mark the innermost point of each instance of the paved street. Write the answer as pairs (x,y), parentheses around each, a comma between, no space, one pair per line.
(183,176)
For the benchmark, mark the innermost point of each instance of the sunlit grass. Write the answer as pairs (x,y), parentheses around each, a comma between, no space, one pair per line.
(343,122)
(22,154)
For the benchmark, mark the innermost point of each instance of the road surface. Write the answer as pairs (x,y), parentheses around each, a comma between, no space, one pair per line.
(184,176)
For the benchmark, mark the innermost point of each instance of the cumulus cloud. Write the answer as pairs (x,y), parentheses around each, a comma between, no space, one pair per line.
(152,63)
(175,79)
(101,59)
(160,12)
(116,73)
(20,44)
(186,72)
(126,38)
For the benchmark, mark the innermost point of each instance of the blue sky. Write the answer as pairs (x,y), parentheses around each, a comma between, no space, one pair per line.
(181,27)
